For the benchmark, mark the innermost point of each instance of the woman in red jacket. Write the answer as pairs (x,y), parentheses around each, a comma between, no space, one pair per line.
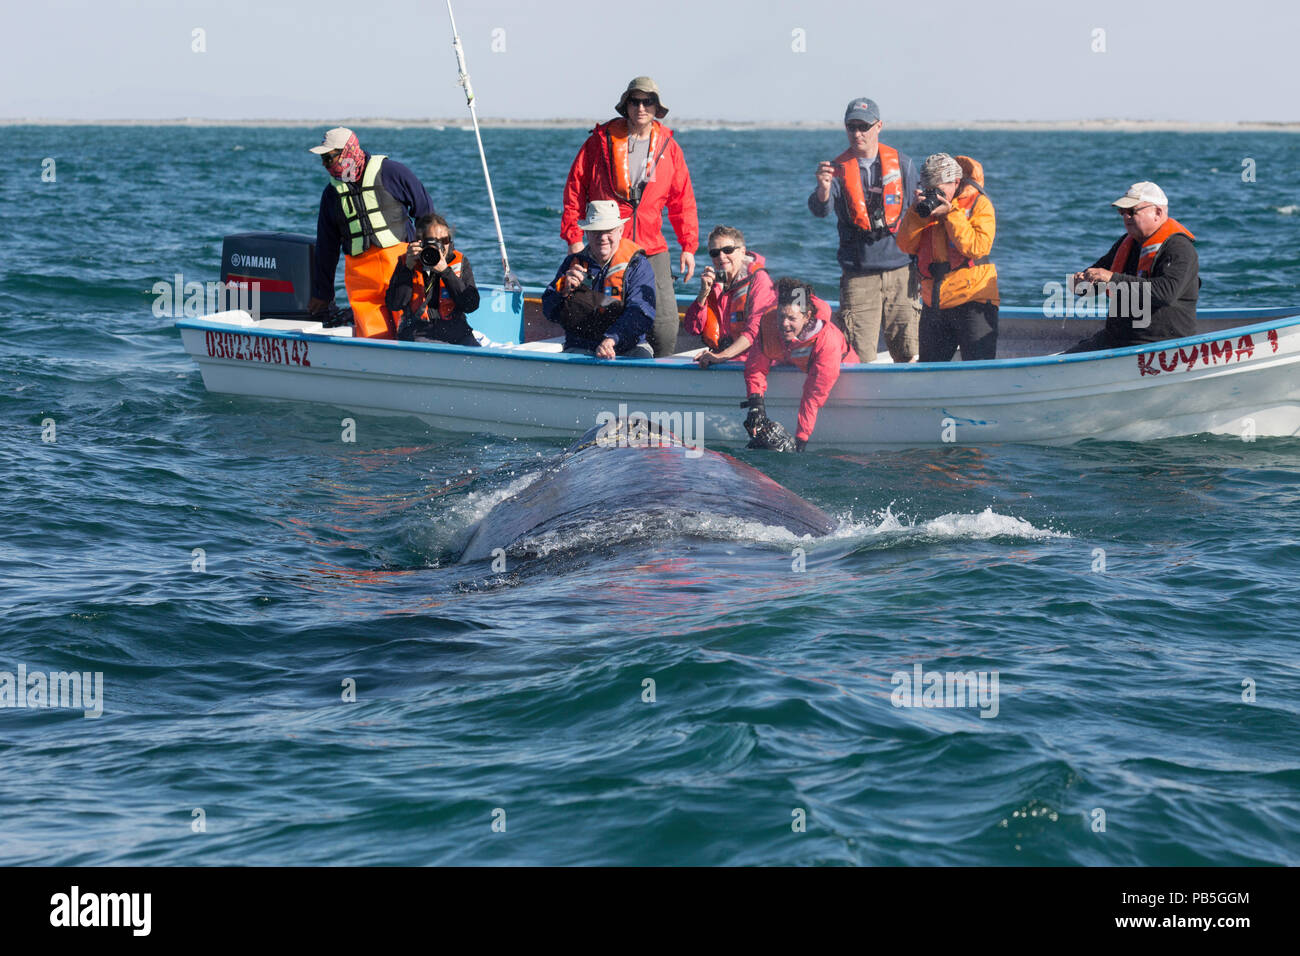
(635,160)
(797,332)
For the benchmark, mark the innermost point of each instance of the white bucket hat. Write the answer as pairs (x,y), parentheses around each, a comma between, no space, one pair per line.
(602,214)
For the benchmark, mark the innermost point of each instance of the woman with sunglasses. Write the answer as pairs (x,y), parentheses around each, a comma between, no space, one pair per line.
(432,288)
(734,292)
(635,160)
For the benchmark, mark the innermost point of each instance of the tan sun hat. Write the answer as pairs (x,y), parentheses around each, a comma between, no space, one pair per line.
(642,84)
(602,214)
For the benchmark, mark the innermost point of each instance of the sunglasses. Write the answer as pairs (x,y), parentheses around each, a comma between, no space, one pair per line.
(1130,213)
(634,101)
(444,243)
(328,159)
(724,251)
(859,127)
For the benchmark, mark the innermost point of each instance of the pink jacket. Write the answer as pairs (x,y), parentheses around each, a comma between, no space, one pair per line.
(820,354)
(760,295)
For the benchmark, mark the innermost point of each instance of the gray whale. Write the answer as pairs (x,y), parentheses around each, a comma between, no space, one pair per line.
(639,471)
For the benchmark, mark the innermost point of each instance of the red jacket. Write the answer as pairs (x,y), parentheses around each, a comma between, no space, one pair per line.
(760,295)
(590,178)
(820,354)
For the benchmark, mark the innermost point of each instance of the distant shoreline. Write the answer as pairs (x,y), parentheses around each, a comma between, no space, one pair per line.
(1092,125)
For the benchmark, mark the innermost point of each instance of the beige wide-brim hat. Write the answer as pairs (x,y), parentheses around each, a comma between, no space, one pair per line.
(602,214)
(642,84)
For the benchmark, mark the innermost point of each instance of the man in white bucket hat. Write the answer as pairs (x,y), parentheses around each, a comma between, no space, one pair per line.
(603,295)
(1151,275)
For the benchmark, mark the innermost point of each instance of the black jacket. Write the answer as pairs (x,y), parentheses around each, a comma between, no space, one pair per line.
(1170,292)
(426,324)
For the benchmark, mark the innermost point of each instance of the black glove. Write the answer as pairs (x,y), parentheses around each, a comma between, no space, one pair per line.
(800,444)
(757,413)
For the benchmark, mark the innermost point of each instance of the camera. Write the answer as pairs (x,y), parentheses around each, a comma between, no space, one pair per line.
(931,199)
(430,254)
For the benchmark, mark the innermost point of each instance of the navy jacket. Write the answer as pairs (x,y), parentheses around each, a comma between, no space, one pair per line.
(637,318)
(331,225)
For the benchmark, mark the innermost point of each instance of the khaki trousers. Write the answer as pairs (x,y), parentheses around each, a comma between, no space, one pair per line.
(868,300)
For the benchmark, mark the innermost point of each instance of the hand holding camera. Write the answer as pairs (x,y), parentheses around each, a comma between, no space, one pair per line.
(932,202)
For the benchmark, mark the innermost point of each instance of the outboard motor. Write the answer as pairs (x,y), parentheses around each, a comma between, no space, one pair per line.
(280,263)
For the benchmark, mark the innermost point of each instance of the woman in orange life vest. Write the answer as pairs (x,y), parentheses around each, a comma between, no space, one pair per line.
(433,288)
(797,332)
(732,298)
(951,241)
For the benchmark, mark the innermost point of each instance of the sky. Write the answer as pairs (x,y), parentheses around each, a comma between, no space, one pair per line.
(933,62)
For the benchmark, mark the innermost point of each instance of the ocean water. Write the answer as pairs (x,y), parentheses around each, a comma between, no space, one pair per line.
(1137,602)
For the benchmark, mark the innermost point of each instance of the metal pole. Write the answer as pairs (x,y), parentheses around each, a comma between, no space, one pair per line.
(511,283)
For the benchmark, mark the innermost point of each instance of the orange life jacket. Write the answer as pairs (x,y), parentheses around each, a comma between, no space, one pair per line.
(938,257)
(891,184)
(616,140)
(611,281)
(734,320)
(446,304)
(1150,247)
(800,352)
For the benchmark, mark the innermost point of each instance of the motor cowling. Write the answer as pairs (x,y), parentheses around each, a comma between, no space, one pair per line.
(280,263)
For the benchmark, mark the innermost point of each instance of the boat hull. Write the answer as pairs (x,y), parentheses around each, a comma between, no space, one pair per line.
(1242,381)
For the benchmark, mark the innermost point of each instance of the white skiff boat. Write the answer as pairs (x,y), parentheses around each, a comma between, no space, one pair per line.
(1241,377)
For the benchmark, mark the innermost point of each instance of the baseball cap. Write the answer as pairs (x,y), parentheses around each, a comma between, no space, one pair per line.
(1139,193)
(864,110)
(334,139)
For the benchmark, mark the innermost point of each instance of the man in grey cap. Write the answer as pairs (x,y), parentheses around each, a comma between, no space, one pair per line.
(869,185)
(1151,275)
(635,161)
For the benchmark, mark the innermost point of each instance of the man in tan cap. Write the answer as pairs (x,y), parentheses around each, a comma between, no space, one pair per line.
(1151,275)
(366,211)
(635,161)
(603,295)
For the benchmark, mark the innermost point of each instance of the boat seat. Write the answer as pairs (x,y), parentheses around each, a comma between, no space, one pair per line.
(543,345)
(291,325)
(232,317)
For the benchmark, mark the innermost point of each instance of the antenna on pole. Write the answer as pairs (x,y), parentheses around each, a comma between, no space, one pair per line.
(511,283)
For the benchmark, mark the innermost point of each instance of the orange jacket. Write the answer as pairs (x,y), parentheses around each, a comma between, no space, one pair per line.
(954,248)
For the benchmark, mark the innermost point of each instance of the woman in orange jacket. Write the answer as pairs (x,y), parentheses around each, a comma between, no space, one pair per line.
(950,231)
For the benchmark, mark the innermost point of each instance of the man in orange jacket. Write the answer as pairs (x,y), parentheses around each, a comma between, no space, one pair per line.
(635,160)
(950,230)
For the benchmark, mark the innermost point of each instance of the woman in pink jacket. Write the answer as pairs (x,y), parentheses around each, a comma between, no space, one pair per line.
(797,332)
(734,293)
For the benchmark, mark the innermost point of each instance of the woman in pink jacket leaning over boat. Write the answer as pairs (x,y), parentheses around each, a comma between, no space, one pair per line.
(797,332)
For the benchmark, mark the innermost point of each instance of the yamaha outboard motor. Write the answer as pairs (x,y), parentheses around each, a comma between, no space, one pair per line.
(280,263)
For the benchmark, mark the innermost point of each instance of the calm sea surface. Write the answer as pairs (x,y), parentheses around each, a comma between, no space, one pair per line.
(1136,601)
